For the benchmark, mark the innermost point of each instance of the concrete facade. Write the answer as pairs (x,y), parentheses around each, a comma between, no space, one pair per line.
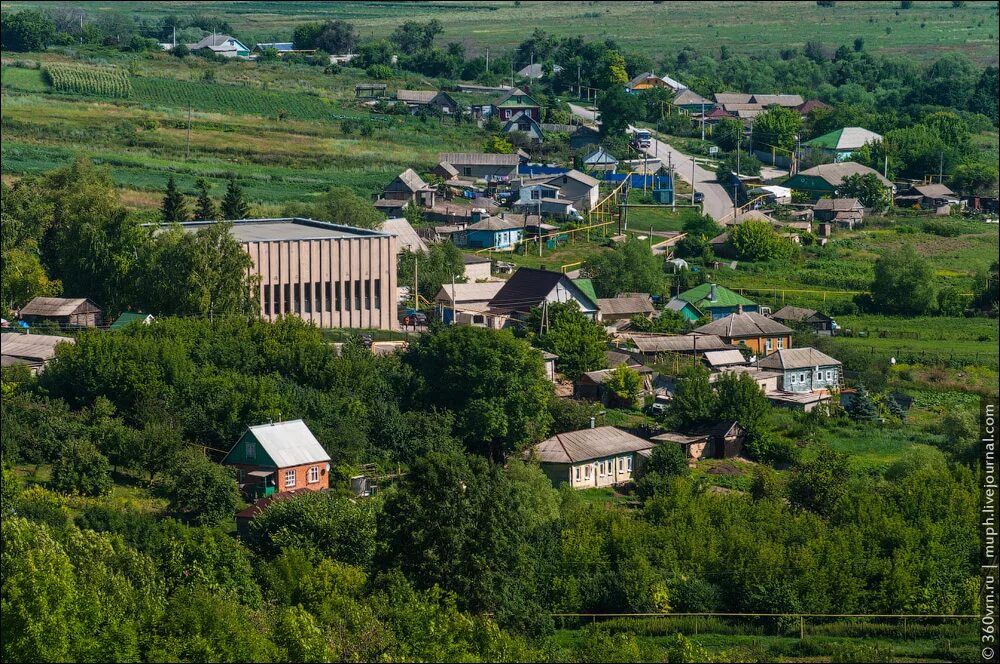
(329,275)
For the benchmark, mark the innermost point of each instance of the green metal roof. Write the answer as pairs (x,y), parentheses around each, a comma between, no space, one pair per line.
(126,318)
(698,296)
(829,141)
(587,286)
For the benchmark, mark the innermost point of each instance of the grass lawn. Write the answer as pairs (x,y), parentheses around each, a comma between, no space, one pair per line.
(923,32)
(127,491)
(660,218)
(567,255)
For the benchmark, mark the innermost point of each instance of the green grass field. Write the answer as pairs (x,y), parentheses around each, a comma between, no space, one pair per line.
(925,31)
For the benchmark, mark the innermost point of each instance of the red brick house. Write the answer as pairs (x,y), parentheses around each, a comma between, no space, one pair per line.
(279,457)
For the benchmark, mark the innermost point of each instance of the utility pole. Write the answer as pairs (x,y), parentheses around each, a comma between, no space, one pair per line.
(487,59)
(750,149)
(702,120)
(673,185)
(416,293)
(187,151)
(941,169)
(579,86)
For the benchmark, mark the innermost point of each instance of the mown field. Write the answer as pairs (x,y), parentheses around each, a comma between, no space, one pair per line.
(925,31)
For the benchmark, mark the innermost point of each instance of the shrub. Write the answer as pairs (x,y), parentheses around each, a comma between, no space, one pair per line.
(82,469)
(379,72)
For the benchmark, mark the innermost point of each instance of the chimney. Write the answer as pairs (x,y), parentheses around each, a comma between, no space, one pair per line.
(712,293)
(739,308)
(592,422)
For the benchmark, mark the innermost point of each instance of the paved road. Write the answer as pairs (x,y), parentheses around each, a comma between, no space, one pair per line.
(718,204)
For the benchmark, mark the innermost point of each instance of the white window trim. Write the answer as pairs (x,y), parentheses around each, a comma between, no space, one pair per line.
(290,475)
(628,463)
(314,475)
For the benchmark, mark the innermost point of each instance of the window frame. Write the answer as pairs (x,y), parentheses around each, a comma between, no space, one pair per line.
(313,472)
(290,474)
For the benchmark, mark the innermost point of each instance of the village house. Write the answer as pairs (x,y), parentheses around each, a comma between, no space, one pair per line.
(477,268)
(326,274)
(759,334)
(529,288)
(405,234)
(579,188)
(588,458)
(811,105)
(837,145)
(438,99)
(31,350)
(524,124)
(718,360)
(625,308)
(277,457)
(536,70)
(717,301)
(817,321)
(844,212)
(280,47)
(929,197)
(129,317)
(65,312)
(693,103)
(408,187)
(513,102)
(651,345)
(807,377)
(478,165)
(826,179)
(223,45)
(722,440)
(466,304)
(496,233)
(600,160)
(649,80)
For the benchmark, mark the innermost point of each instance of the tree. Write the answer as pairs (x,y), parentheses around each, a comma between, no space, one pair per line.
(337,37)
(861,406)
(304,35)
(442,265)
(630,268)
(413,36)
(728,134)
(374,53)
(756,241)
(205,209)
(82,469)
(777,126)
(903,283)
(498,145)
(340,205)
(578,341)
(234,207)
(618,109)
(977,178)
(200,490)
(987,92)
(951,301)
(26,30)
(666,322)
(744,164)
(694,401)
(987,290)
(625,385)
(819,485)
(174,208)
(868,189)
(612,72)
(493,383)
(740,399)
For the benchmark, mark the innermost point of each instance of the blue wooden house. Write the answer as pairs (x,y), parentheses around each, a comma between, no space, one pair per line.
(495,233)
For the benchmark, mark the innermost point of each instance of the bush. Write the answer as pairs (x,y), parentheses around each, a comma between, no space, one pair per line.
(379,72)
(942,228)
(82,469)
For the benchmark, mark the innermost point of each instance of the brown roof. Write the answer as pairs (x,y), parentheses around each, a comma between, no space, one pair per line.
(412,181)
(933,190)
(625,305)
(838,204)
(478,159)
(416,96)
(808,106)
(493,224)
(587,444)
(732,98)
(745,324)
(578,176)
(835,173)
(780,100)
(680,343)
(797,358)
(58,306)
(689,97)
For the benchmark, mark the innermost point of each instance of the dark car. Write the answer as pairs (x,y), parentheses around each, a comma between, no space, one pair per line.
(698,197)
(416,318)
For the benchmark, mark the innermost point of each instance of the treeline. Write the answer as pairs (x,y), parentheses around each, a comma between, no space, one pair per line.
(67,233)
(464,557)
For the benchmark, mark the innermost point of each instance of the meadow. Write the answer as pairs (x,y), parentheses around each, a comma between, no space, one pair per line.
(924,32)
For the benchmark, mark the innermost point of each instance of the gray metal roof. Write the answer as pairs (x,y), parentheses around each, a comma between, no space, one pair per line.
(31,346)
(402,229)
(58,306)
(289,443)
(617,306)
(588,444)
(680,343)
(745,324)
(478,159)
(270,230)
(721,358)
(797,358)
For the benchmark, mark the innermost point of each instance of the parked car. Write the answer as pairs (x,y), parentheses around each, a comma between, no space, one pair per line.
(659,405)
(415,318)
(698,197)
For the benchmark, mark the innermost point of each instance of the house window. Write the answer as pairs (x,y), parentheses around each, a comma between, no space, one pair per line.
(578,473)
(251,449)
(288,298)
(586,472)
(792,378)
(829,376)
(467,170)
(802,377)
(621,464)
(767,345)
(347,296)
(289,478)
(628,464)
(368,293)
(781,343)
(307,303)
(314,475)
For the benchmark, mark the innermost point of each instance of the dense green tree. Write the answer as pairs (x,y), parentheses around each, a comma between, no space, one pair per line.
(694,401)
(494,384)
(81,468)
(201,491)
(564,330)
(618,109)
(976,178)
(987,92)
(27,30)
(442,265)
(819,485)
(205,209)
(572,414)
(414,36)
(987,289)
(757,241)
(777,127)
(234,207)
(174,208)
(666,321)
(728,134)
(336,37)
(625,385)
(903,283)
(868,189)
(630,268)
(861,406)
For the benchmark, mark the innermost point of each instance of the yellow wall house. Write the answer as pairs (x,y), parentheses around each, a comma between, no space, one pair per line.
(760,334)
(588,458)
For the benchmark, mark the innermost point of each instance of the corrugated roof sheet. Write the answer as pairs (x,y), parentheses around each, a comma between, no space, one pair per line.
(699,297)
(402,229)
(31,346)
(848,138)
(483,292)
(789,312)
(780,100)
(578,176)
(289,443)
(732,98)
(416,96)
(835,173)
(588,444)
(58,306)
(797,358)
(680,343)
(746,324)
(528,287)
(412,181)
(838,204)
(722,358)
(618,306)
(933,190)
(478,159)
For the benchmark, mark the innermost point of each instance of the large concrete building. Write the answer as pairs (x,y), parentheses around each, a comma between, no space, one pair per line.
(330,275)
